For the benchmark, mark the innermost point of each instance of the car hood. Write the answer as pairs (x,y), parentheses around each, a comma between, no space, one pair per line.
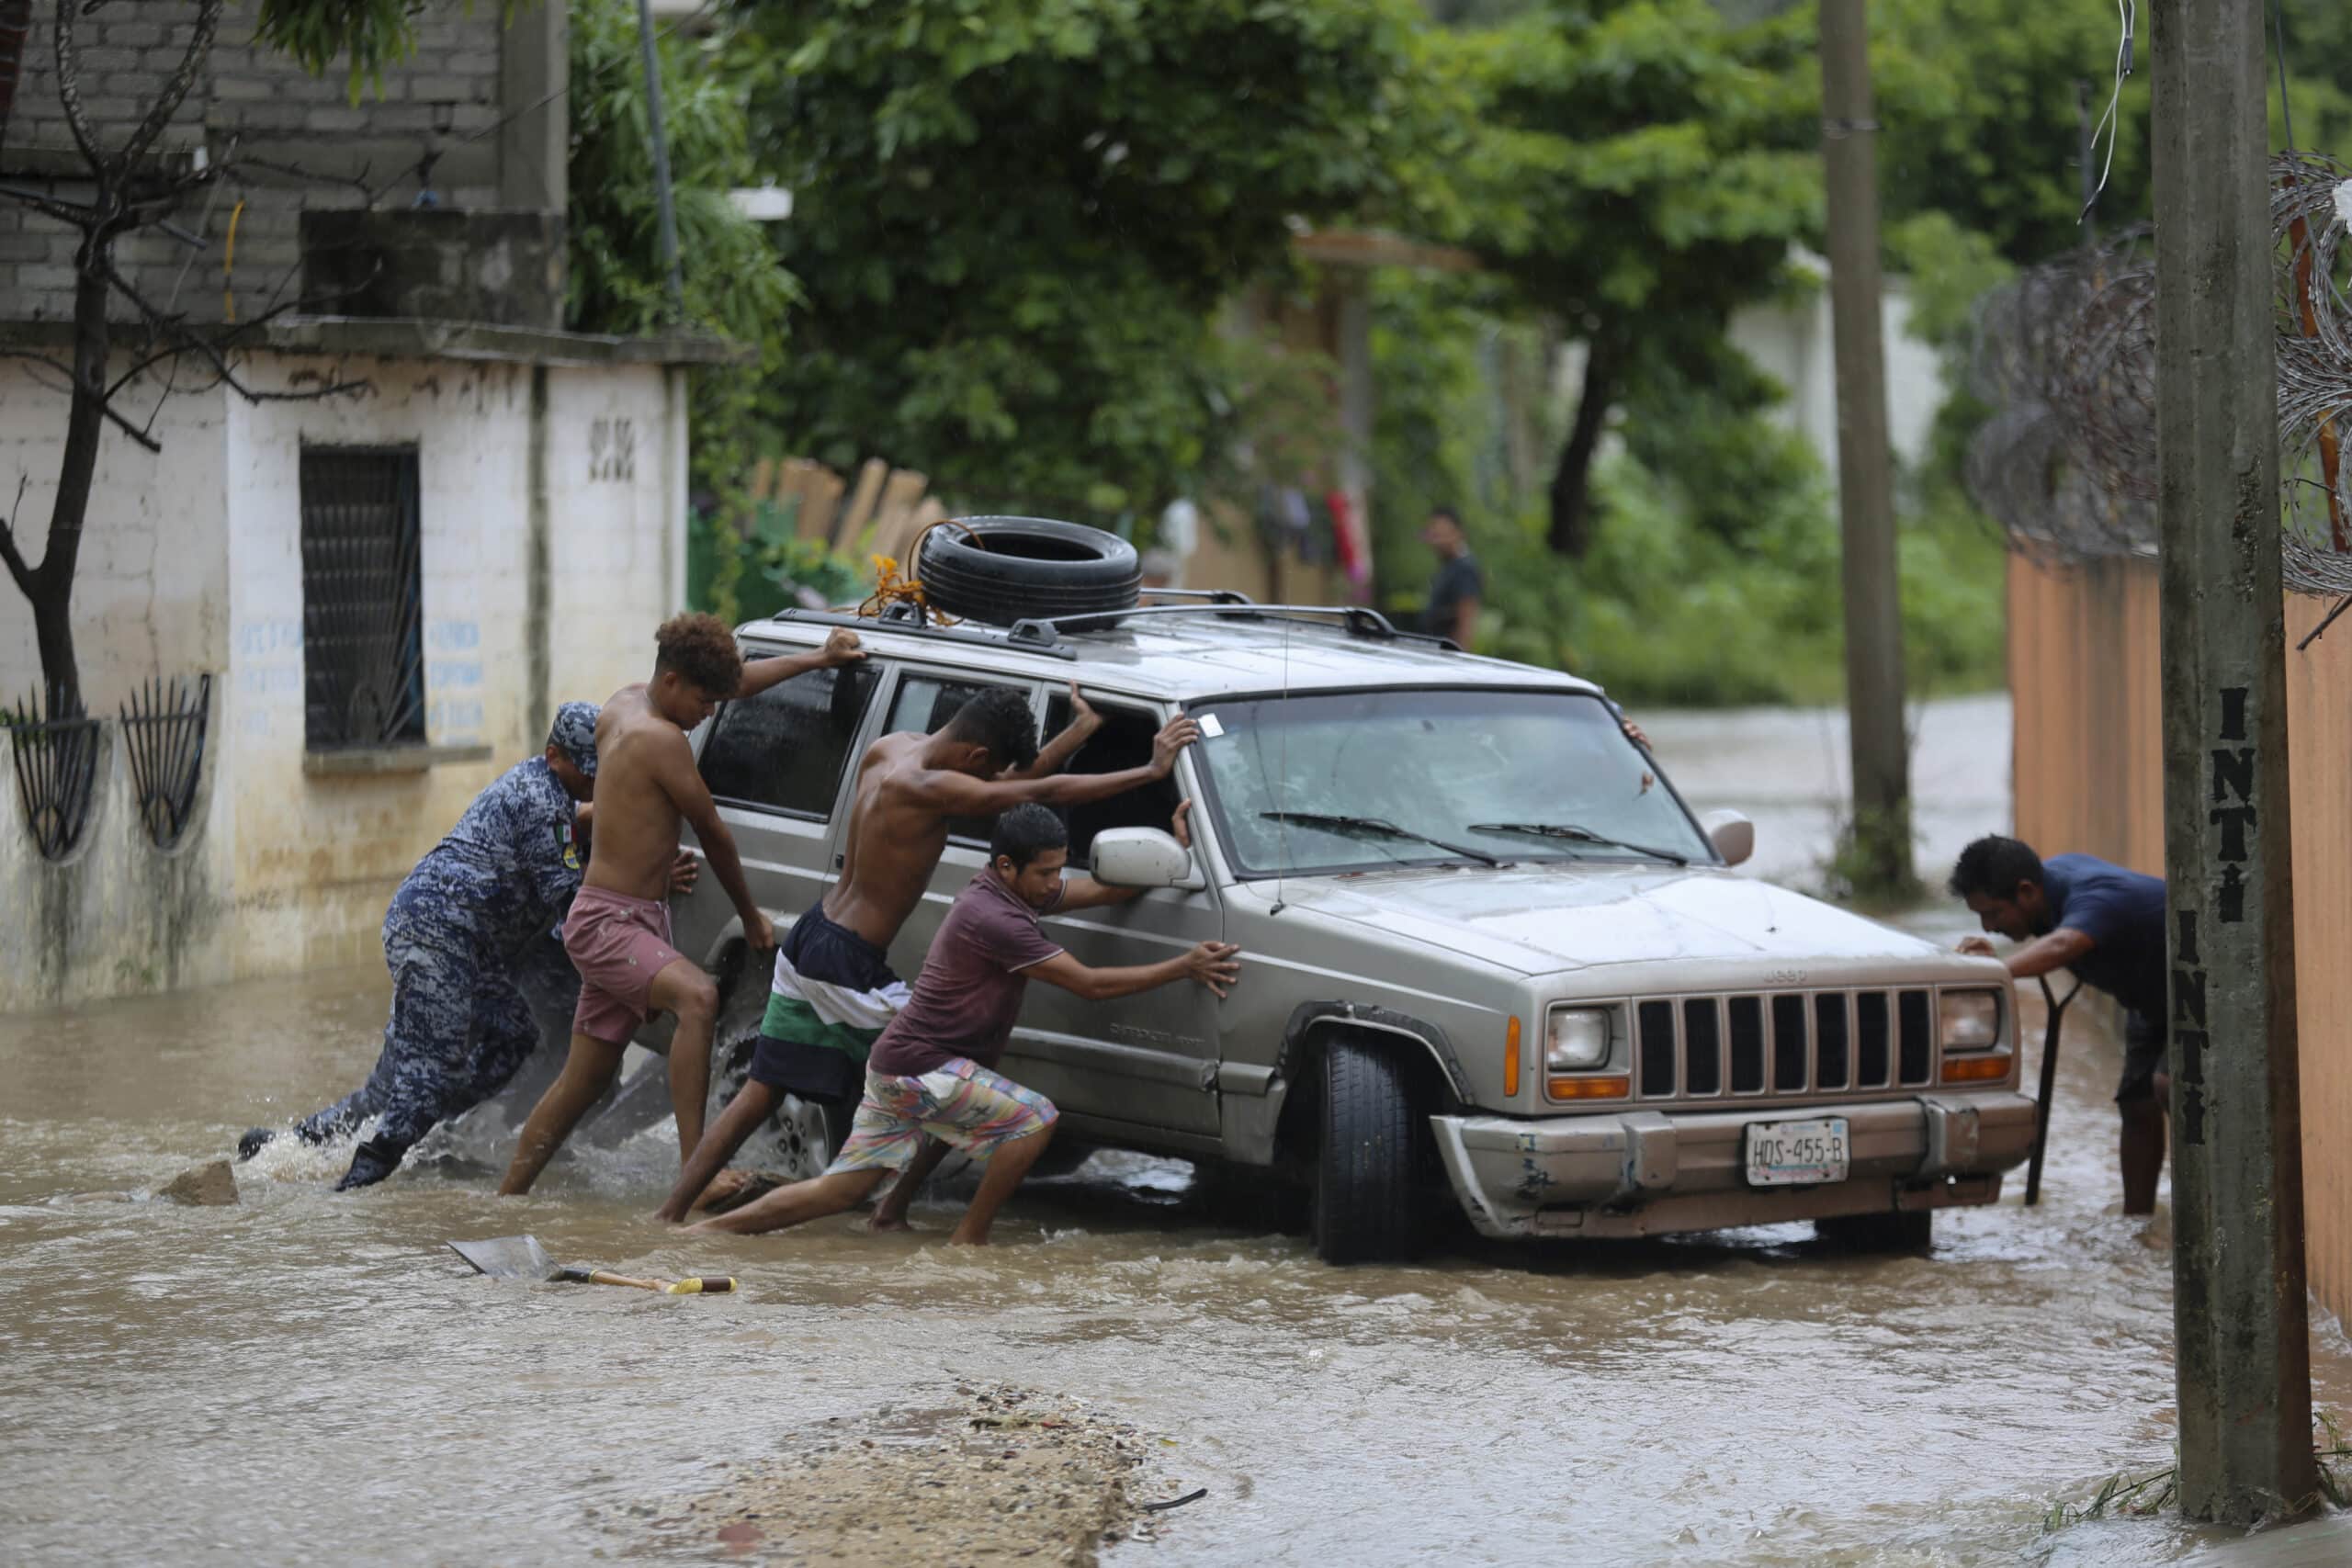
(1537,919)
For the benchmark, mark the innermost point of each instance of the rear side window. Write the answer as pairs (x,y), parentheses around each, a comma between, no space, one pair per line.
(925,704)
(784,749)
(1123,742)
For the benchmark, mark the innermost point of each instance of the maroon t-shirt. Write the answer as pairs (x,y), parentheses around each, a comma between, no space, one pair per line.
(969,995)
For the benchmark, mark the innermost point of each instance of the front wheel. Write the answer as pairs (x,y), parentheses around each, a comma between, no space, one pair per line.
(1366,1199)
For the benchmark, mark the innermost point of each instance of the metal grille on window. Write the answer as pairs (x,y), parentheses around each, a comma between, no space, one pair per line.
(363,643)
(162,736)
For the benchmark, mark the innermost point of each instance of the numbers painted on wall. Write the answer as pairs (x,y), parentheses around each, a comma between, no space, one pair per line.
(612,451)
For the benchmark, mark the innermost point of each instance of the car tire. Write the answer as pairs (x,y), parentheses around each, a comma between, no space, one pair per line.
(1902,1230)
(1366,1205)
(1027,569)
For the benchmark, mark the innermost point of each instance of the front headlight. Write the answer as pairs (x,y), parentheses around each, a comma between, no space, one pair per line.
(1970,1021)
(1578,1040)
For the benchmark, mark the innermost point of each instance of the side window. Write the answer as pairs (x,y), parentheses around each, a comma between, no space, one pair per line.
(1123,742)
(926,703)
(785,749)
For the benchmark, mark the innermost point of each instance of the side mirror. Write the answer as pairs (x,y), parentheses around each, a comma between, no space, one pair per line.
(1141,857)
(1732,833)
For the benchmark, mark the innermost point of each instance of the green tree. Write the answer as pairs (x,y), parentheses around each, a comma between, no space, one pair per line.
(1015,221)
(734,284)
(1638,169)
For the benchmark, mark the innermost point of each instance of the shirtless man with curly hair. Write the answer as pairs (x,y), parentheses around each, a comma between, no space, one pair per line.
(618,931)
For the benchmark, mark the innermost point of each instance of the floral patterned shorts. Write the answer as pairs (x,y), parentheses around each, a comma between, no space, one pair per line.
(961,1104)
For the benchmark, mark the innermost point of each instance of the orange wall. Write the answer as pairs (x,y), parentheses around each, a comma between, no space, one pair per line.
(2088,773)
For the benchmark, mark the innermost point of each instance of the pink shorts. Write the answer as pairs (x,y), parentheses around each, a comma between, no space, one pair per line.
(618,944)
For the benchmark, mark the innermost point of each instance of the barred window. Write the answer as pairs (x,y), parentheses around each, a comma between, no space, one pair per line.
(363,633)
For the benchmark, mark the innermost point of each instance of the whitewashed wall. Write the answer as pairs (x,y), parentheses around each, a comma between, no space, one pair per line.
(194,562)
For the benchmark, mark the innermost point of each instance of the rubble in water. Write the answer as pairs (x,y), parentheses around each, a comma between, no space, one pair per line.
(1009,1476)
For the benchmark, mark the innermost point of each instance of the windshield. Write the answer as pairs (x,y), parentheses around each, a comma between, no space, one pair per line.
(1358,780)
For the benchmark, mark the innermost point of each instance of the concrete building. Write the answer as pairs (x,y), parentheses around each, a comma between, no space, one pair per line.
(1793,344)
(389,591)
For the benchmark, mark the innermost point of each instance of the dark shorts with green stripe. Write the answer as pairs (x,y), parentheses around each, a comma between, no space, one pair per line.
(816,1073)
(830,1066)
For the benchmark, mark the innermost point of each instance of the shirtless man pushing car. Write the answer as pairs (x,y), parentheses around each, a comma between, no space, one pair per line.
(618,931)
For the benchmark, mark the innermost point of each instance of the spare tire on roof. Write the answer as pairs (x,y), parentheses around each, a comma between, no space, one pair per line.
(1026,568)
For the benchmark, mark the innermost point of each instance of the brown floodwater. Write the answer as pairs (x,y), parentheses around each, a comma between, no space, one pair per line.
(308,1376)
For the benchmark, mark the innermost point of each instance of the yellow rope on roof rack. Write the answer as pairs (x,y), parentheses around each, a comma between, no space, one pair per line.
(890,588)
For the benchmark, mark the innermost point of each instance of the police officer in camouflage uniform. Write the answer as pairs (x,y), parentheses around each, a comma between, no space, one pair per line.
(467,938)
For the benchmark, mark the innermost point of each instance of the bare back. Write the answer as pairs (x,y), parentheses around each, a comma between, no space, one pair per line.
(635,841)
(894,843)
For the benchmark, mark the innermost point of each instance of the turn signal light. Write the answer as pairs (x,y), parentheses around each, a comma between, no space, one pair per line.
(1511,1061)
(1975,1069)
(1617,1086)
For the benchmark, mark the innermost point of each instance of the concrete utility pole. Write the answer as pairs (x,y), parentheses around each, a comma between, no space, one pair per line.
(1881,762)
(2243,1355)
(660,137)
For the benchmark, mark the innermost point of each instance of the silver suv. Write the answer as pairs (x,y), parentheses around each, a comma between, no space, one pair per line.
(1488,953)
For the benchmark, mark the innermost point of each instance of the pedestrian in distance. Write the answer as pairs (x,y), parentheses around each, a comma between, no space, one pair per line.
(618,932)
(833,990)
(1460,584)
(931,1080)
(2107,924)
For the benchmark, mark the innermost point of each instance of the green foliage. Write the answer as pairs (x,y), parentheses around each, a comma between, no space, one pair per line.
(1016,220)
(746,570)
(375,33)
(734,284)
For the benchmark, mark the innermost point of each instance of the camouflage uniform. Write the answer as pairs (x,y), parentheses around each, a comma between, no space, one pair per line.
(472,930)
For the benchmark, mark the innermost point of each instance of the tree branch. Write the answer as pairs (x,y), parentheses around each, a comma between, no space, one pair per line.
(105,405)
(69,86)
(207,23)
(17,569)
(71,212)
(174,328)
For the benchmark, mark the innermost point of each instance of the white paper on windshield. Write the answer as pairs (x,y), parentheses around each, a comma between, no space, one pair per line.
(1210,727)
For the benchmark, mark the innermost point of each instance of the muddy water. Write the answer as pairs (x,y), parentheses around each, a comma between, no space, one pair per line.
(307,1375)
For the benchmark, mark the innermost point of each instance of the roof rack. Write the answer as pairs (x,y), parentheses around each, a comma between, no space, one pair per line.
(1213,595)
(1043,634)
(901,619)
(1045,630)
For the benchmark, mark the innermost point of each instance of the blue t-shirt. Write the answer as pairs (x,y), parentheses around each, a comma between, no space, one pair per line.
(2123,914)
(505,873)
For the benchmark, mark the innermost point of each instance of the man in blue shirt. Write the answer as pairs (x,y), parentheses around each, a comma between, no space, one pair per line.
(467,940)
(2105,924)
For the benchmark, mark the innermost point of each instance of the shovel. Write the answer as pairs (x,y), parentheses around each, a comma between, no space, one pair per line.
(2057,1005)
(521,1257)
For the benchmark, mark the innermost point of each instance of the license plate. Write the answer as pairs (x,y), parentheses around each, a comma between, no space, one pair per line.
(1797,1154)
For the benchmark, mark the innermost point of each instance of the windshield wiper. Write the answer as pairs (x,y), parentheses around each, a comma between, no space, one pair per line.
(1580,834)
(1377,827)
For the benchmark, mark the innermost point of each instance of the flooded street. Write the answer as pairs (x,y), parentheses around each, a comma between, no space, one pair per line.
(305,1376)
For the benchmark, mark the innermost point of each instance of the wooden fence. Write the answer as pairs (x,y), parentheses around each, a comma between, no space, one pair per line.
(2088,763)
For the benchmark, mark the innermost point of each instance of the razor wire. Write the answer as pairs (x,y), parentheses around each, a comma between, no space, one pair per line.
(2064,354)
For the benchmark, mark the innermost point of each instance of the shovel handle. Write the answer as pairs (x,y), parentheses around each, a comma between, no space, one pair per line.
(692,1285)
(605,1277)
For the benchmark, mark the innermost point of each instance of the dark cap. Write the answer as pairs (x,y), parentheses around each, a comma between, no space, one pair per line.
(574,734)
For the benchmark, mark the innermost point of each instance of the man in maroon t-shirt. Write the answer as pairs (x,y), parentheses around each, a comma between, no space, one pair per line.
(934,1071)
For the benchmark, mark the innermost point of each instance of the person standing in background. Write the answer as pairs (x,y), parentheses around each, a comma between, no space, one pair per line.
(1460,584)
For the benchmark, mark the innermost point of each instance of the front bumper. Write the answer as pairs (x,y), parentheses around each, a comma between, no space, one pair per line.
(1650,1172)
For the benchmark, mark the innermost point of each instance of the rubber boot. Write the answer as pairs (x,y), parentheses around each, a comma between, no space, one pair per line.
(370,1163)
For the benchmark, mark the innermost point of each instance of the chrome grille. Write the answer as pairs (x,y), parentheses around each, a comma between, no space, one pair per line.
(1784,1044)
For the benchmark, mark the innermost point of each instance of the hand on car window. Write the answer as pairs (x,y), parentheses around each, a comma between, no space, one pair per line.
(842,646)
(1177,734)
(1179,826)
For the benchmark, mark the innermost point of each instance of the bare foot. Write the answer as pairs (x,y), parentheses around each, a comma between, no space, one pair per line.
(725,1188)
(888,1223)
